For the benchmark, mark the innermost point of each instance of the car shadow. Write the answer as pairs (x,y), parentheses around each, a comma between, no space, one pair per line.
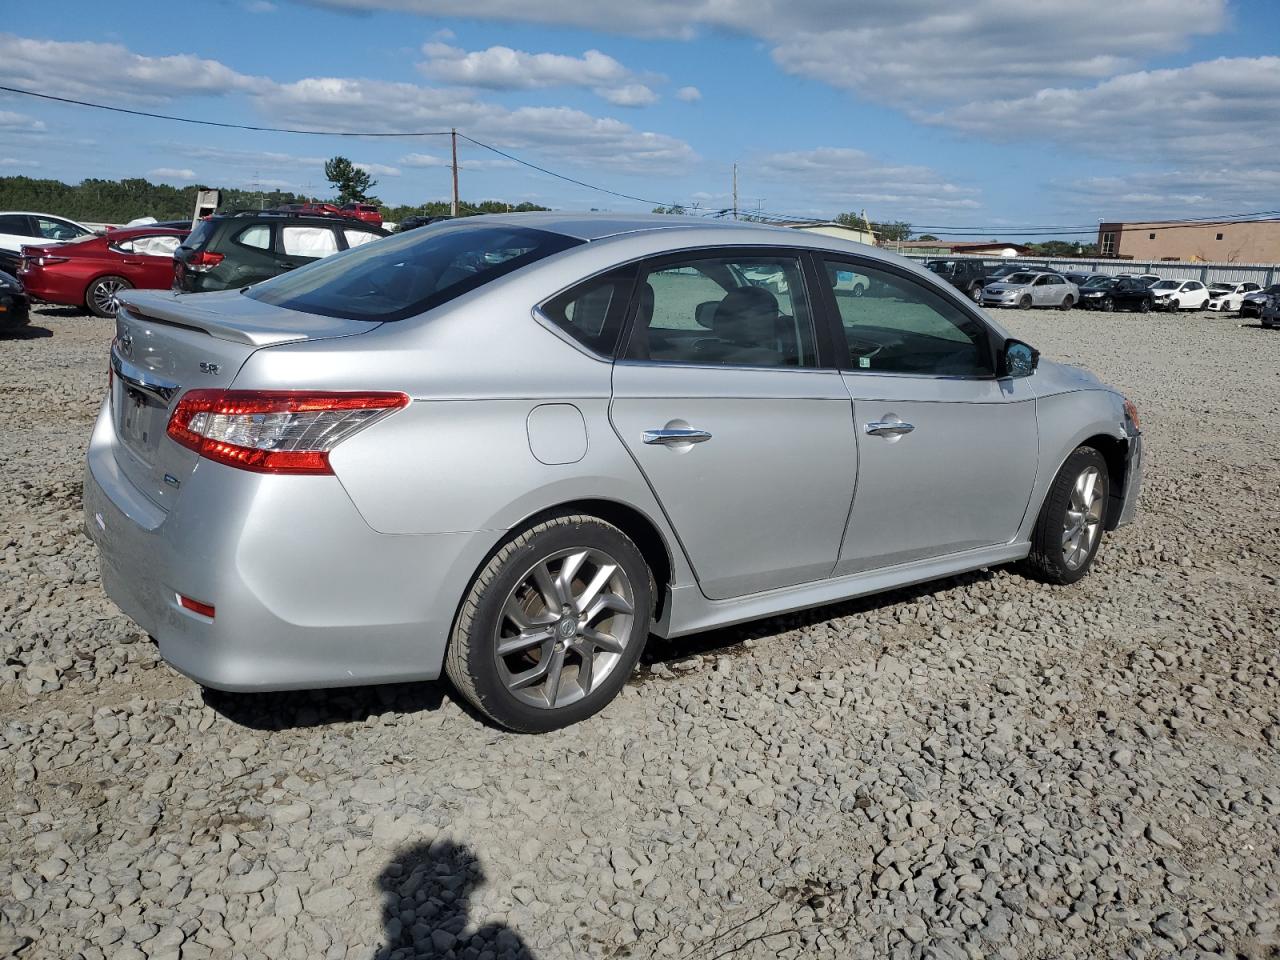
(731,639)
(59,311)
(426,891)
(295,709)
(299,709)
(25,333)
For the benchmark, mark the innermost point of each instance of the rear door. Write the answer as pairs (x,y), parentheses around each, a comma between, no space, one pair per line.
(149,259)
(739,423)
(946,452)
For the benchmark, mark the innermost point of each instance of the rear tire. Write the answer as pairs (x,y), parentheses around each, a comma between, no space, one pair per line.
(1068,531)
(1067,302)
(569,649)
(100,297)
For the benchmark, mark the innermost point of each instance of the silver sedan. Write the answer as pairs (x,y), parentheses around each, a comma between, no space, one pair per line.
(510,448)
(1030,289)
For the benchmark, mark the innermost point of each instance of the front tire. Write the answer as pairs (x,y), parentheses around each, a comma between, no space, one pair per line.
(100,297)
(975,293)
(1144,306)
(1025,302)
(1068,531)
(553,624)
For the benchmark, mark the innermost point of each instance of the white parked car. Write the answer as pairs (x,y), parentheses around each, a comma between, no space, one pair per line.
(22,227)
(1180,295)
(1230,296)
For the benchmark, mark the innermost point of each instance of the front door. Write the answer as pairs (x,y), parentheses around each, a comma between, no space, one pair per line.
(743,433)
(946,453)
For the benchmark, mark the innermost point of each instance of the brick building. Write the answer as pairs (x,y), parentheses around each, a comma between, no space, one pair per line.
(1241,241)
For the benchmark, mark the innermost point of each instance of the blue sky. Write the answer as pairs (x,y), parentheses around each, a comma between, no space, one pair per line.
(991,114)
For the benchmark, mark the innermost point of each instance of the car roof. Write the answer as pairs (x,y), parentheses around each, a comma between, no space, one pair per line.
(598,226)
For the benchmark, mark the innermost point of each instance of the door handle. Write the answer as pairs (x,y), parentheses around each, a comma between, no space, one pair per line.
(667,436)
(888,428)
(287,264)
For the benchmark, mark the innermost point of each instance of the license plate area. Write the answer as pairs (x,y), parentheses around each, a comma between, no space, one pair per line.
(140,421)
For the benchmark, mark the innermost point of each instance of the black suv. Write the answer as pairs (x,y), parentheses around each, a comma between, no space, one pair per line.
(236,249)
(966,275)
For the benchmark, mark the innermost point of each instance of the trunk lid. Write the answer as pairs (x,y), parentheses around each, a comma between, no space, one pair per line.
(168,343)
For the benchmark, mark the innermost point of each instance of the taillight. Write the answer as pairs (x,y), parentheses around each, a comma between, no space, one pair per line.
(202,261)
(275,431)
(44,260)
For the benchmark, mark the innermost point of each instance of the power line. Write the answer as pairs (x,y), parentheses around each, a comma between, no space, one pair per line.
(561,176)
(215,123)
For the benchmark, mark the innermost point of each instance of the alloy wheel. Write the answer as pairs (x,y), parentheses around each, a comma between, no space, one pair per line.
(106,295)
(1084,518)
(564,627)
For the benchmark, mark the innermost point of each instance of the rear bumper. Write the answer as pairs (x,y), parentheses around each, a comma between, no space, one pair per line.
(305,593)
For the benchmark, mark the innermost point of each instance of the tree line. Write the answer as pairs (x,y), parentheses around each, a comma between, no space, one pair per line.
(119,201)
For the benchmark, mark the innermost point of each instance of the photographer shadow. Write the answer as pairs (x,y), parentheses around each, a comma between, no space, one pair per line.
(426,907)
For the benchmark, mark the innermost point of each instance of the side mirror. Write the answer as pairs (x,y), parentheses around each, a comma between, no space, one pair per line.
(1019,359)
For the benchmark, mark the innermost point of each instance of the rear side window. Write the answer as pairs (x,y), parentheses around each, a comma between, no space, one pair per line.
(356,238)
(257,236)
(409,273)
(309,241)
(592,312)
(16,224)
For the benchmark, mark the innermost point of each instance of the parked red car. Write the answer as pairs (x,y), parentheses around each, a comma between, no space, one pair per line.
(311,209)
(368,212)
(92,271)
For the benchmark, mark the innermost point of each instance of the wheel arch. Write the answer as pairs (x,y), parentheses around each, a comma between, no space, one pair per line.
(1115,451)
(642,531)
(101,275)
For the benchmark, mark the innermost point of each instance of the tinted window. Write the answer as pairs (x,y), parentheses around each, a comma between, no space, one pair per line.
(258,236)
(592,312)
(410,272)
(308,241)
(16,224)
(901,326)
(201,235)
(734,311)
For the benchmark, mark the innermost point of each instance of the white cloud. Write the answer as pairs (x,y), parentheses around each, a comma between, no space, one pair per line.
(429,160)
(903,52)
(502,68)
(172,173)
(347,104)
(631,95)
(259,6)
(16,162)
(1225,111)
(88,70)
(1190,192)
(841,178)
(12,122)
(689,94)
(376,169)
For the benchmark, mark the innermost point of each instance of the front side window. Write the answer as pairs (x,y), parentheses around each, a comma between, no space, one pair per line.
(733,311)
(901,326)
(409,273)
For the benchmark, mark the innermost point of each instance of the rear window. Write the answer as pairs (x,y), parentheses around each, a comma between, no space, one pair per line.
(409,273)
(201,235)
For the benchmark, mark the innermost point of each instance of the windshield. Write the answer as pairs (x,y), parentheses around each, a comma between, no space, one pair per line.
(1222,287)
(1167,285)
(409,273)
(1100,282)
(1018,278)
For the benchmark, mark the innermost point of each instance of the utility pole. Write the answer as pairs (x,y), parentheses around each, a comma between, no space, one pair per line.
(735,190)
(453,135)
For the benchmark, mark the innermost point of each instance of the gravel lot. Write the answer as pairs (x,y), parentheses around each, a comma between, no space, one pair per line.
(980,767)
